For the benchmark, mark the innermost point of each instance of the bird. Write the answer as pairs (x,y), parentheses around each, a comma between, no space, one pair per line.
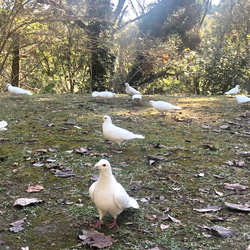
(130,90)
(109,195)
(103,94)
(233,91)
(17,91)
(3,124)
(137,99)
(162,106)
(242,99)
(117,134)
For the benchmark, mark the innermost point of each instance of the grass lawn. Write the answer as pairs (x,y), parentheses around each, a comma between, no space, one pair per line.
(180,167)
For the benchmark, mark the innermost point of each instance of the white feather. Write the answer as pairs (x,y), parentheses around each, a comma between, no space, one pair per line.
(17,91)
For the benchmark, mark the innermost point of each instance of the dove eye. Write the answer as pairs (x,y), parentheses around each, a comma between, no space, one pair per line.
(104,165)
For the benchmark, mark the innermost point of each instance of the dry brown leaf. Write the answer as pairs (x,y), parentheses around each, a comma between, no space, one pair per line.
(237,207)
(35,188)
(208,209)
(151,217)
(163,227)
(222,231)
(218,193)
(173,219)
(95,239)
(235,186)
(17,226)
(26,201)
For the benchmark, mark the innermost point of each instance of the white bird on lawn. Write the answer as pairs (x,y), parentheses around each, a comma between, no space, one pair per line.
(109,195)
(162,106)
(103,94)
(130,90)
(3,124)
(242,99)
(17,91)
(117,134)
(233,91)
(137,99)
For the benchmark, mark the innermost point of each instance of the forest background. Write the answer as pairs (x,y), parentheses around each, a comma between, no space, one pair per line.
(167,46)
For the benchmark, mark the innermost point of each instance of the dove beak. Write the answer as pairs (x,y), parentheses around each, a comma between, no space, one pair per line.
(96,166)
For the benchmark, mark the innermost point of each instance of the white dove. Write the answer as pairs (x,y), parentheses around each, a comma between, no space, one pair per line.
(233,91)
(103,94)
(137,99)
(117,134)
(3,124)
(17,91)
(131,91)
(162,106)
(242,99)
(109,195)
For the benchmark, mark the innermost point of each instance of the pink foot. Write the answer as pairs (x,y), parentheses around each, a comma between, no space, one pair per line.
(113,224)
(97,225)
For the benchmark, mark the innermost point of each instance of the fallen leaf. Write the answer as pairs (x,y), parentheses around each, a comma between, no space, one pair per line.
(173,219)
(237,207)
(38,164)
(208,209)
(223,232)
(163,227)
(225,127)
(235,186)
(82,150)
(36,188)
(206,127)
(17,226)
(95,239)
(151,217)
(26,201)
(156,158)
(218,193)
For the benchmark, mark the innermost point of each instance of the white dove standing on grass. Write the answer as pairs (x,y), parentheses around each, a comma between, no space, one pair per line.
(233,91)
(162,106)
(109,195)
(117,134)
(130,90)
(3,124)
(242,99)
(17,91)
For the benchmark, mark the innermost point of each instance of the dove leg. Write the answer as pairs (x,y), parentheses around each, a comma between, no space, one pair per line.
(113,224)
(99,222)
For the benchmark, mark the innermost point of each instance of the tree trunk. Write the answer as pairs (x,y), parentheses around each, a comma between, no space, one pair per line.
(15,63)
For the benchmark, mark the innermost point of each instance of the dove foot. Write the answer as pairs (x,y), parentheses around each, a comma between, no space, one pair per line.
(97,225)
(113,224)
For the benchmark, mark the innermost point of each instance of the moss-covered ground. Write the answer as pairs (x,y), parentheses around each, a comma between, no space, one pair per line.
(197,157)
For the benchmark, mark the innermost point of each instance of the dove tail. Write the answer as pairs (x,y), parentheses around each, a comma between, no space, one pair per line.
(140,136)
(133,203)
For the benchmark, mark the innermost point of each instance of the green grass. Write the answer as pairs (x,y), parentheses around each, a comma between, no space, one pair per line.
(172,186)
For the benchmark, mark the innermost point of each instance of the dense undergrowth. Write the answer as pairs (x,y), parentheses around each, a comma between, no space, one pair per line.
(181,165)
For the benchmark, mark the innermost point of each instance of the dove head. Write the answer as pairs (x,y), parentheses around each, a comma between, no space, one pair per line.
(126,84)
(107,118)
(8,85)
(151,102)
(103,165)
